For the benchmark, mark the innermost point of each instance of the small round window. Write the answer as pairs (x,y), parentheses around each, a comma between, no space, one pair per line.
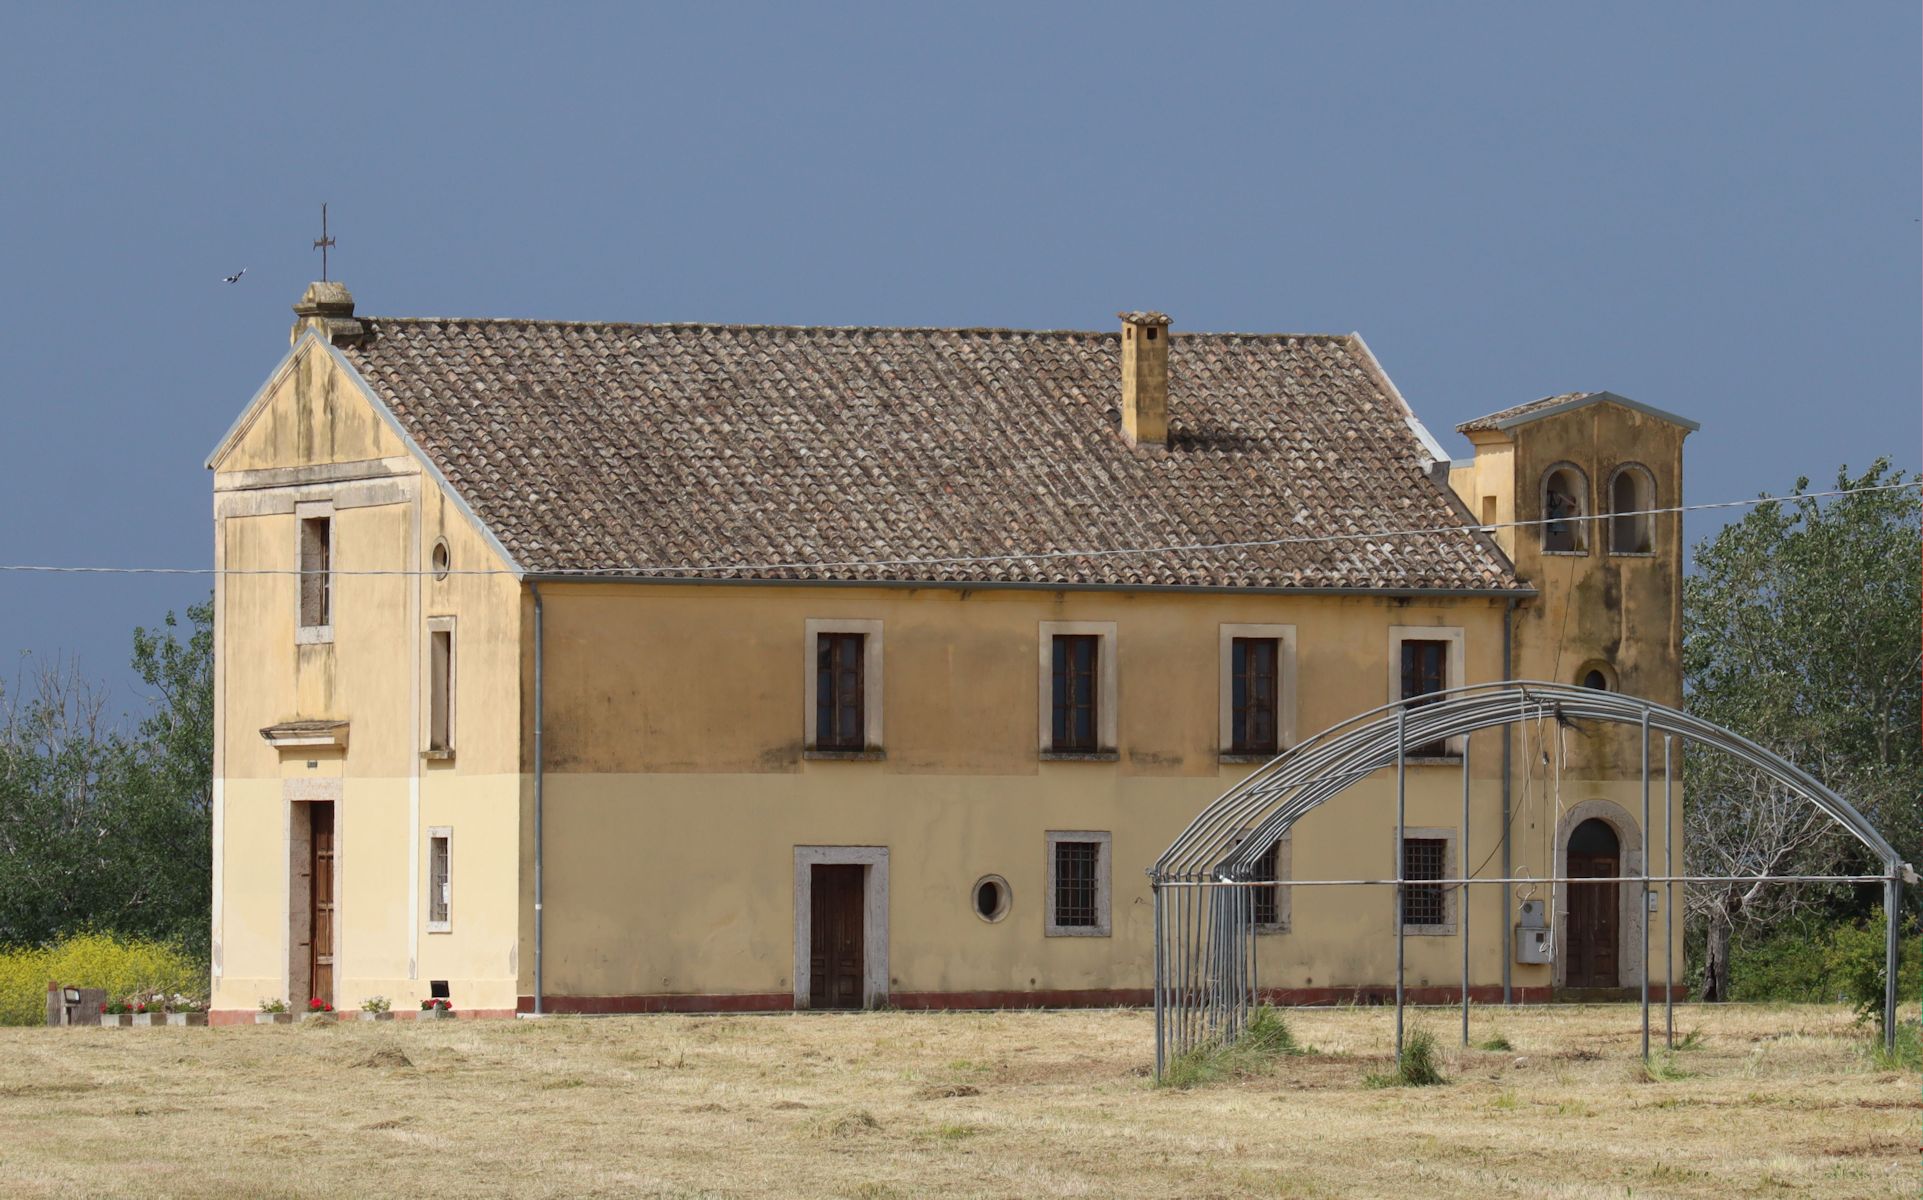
(440,559)
(992,897)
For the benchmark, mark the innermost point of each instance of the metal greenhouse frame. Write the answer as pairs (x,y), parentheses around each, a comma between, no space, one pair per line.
(1205,943)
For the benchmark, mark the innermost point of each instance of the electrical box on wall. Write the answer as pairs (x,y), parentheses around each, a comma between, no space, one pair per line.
(1529,915)
(1532,944)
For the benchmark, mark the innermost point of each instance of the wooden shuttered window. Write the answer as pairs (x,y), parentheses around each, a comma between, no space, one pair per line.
(840,706)
(1076,721)
(1425,672)
(1255,693)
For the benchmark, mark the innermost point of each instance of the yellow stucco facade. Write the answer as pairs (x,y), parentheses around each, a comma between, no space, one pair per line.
(682,806)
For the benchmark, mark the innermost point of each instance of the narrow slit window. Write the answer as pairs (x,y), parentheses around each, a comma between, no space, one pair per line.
(840,706)
(316,572)
(1255,695)
(440,691)
(1425,673)
(1075,657)
(439,881)
(1424,859)
(1077,897)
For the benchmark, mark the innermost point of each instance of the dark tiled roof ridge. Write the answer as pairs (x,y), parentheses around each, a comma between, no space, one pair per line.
(751,327)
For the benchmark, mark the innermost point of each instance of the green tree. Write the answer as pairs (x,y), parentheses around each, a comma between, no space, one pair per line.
(1801,631)
(103,830)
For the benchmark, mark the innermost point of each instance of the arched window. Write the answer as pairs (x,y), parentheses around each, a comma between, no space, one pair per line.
(1565,495)
(1632,527)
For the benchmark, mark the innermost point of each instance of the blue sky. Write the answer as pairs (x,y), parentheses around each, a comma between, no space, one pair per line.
(1711,208)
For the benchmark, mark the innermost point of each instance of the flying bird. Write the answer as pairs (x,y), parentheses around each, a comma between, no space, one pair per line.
(235,277)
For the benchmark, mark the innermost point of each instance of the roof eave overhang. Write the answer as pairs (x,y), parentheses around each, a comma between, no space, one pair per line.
(1492,593)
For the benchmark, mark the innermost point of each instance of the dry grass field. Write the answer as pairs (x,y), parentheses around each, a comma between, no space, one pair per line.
(1768,1101)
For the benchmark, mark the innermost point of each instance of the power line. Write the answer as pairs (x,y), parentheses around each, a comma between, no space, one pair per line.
(688,569)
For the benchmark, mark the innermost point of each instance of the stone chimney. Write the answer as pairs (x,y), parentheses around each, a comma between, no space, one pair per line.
(1145,378)
(327,309)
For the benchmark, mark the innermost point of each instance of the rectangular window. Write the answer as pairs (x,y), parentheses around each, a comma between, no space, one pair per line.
(439,880)
(316,572)
(1254,663)
(1078,882)
(1267,901)
(440,688)
(1076,675)
(1075,864)
(840,715)
(1423,858)
(1425,671)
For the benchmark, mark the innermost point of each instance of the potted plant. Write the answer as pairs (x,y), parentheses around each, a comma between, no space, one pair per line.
(273,1012)
(185,1010)
(437,1009)
(148,1010)
(319,1012)
(376,1008)
(116,1014)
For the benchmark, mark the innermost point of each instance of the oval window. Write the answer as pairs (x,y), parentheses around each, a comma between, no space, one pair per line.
(1596,679)
(440,559)
(991,898)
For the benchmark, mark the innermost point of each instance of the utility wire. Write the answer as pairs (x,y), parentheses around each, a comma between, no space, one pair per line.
(689,569)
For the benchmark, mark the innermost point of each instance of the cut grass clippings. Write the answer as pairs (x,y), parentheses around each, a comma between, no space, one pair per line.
(1052,1105)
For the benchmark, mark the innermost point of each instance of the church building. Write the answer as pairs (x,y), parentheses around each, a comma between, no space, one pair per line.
(599,667)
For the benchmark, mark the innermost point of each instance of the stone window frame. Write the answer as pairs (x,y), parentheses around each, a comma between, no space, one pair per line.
(440,833)
(1285,712)
(304,511)
(1447,835)
(1455,672)
(1647,501)
(1104,874)
(872,746)
(434,625)
(874,918)
(1584,520)
(1106,692)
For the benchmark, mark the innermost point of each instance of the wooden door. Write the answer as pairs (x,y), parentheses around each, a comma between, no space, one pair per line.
(1593,931)
(836,962)
(321,892)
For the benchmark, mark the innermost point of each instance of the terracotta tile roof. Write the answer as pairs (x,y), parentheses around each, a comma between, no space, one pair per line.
(873,454)
(1495,420)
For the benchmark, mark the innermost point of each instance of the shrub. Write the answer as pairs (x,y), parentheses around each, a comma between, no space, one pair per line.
(376,1004)
(1421,1064)
(1856,964)
(123,966)
(1266,1038)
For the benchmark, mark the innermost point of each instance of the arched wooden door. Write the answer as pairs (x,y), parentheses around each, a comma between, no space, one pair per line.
(1593,930)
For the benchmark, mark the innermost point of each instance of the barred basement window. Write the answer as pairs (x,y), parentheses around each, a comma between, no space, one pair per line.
(1267,901)
(1078,884)
(1424,858)
(439,880)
